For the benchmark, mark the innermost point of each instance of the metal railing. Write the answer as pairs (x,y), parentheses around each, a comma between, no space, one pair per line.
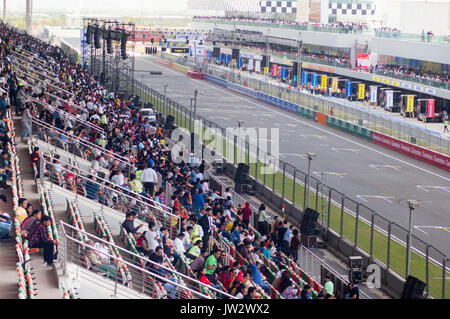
(73,251)
(108,194)
(433,83)
(82,123)
(75,145)
(382,240)
(414,37)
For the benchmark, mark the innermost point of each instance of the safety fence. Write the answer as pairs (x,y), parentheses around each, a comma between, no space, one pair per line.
(382,240)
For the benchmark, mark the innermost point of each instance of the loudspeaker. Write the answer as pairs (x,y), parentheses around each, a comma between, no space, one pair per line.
(123,45)
(109,42)
(216,52)
(355,262)
(88,34)
(265,61)
(96,37)
(235,54)
(413,288)
(295,68)
(241,174)
(355,274)
(308,225)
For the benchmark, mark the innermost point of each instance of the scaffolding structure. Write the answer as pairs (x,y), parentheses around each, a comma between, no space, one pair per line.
(110,53)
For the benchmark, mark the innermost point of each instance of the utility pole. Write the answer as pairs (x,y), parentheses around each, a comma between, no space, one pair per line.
(29,16)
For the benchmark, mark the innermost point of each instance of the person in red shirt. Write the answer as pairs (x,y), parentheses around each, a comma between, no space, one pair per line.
(246,213)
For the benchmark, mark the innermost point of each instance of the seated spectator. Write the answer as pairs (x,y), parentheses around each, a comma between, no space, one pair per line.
(128,224)
(251,293)
(38,238)
(255,268)
(195,251)
(199,262)
(306,293)
(34,217)
(211,263)
(178,245)
(203,278)
(5,225)
(21,212)
(142,245)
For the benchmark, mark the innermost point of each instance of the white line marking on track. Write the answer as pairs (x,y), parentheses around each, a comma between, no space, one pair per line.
(248,100)
(386,198)
(397,168)
(443,188)
(340,175)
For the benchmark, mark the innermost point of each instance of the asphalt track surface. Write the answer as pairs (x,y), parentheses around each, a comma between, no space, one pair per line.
(377,177)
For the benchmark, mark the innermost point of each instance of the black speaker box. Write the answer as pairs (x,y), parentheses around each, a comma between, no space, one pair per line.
(413,288)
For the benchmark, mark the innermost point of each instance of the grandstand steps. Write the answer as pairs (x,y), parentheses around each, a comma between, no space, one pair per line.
(90,285)
(45,280)
(8,256)
(8,259)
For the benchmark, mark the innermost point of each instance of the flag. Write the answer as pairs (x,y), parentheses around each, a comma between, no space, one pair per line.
(410,104)
(324,81)
(361,91)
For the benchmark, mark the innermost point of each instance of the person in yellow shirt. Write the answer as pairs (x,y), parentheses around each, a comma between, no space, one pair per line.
(21,211)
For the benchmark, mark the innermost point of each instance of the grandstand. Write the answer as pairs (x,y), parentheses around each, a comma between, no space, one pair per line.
(71,183)
(121,214)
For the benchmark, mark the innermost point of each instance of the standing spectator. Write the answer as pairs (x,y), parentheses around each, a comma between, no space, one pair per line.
(26,122)
(295,244)
(198,201)
(206,223)
(246,213)
(149,178)
(263,219)
(328,287)
(35,157)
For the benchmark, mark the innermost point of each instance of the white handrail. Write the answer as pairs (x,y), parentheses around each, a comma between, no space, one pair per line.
(131,265)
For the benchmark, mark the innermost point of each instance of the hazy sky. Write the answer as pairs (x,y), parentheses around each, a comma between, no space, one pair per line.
(139,7)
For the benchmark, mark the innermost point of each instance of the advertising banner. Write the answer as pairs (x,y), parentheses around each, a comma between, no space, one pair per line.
(361,91)
(348,88)
(324,82)
(373,93)
(305,77)
(257,65)
(274,70)
(410,104)
(430,110)
(389,98)
(283,72)
(314,79)
(227,59)
(266,70)
(363,61)
(250,64)
(335,85)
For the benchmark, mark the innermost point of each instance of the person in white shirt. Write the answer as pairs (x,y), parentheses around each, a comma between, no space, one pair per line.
(95,165)
(227,193)
(149,179)
(152,237)
(118,179)
(178,245)
(103,250)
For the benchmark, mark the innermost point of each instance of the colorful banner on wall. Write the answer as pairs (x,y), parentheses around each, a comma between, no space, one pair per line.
(305,77)
(389,98)
(283,72)
(324,82)
(430,111)
(266,70)
(227,59)
(410,104)
(239,63)
(257,65)
(274,70)
(314,79)
(250,64)
(373,93)
(363,61)
(335,85)
(348,88)
(361,91)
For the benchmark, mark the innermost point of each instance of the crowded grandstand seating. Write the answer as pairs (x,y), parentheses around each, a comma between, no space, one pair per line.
(336,27)
(108,133)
